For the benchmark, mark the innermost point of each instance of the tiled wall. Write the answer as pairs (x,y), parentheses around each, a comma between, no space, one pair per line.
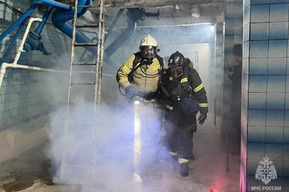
(232,35)
(26,94)
(265,101)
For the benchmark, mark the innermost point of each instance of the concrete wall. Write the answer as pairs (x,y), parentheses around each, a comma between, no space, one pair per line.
(265,131)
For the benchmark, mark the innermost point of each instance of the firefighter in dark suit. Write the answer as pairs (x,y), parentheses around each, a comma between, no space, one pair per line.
(183,95)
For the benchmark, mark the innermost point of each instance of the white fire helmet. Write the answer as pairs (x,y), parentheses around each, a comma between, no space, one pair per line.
(148,41)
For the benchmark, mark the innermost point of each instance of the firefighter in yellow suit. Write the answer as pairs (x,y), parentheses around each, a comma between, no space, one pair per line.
(139,76)
(140,73)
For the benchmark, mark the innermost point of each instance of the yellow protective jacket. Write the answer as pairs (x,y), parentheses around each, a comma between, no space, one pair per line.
(146,77)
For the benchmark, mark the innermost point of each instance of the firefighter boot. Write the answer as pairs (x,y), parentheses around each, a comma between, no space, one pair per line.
(184,169)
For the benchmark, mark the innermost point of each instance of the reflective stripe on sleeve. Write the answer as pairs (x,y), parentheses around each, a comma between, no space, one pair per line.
(123,80)
(199,88)
(126,69)
(184,80)
(203,104)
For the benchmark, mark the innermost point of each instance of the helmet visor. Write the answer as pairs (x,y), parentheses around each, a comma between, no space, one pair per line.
(148,52)
(176,71)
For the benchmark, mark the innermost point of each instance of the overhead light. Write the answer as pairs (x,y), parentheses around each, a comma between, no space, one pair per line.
(212,28)
(195,10)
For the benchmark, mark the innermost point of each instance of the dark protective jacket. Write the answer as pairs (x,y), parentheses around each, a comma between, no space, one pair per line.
(187,95)
(236,79)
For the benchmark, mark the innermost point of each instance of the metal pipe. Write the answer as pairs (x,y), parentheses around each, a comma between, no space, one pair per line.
(10,65)
(112,48)
(44,19)
(172,25)
(17,66)
(60,20)
(13,41)
(110,61)
(154,14)
(113,23)
(33,68)
(25,15)
(2,72)
(55,4)
(13,65)
(38,30)
(20,49)
(19,21)
(134,16)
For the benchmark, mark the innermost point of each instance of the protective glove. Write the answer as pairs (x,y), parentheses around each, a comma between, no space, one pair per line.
(202,118)
(131,91)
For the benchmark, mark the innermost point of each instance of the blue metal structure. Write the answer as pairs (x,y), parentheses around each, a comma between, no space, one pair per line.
(13,41)
(134,15)
(60,18)
(33,42)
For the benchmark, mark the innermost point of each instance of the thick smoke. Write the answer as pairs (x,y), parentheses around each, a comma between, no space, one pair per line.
(120,155)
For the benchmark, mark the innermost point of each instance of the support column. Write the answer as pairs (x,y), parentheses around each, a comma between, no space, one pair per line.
(265,96)
(232,35)
(219,73)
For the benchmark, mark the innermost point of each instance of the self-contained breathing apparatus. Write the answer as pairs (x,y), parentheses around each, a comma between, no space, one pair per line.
(181,92)
(144,61)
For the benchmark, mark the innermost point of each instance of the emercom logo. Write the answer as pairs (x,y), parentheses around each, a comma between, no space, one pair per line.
(266,171)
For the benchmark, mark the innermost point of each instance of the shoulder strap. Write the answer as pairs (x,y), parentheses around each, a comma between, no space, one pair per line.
(138,56)
(161,61)
(134,67)
(136,59)
(188,71)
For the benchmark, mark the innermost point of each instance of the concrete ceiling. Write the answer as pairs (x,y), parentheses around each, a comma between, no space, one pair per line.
(171,15)
(146,3)
(173,12)
(156,3)
(182,15)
